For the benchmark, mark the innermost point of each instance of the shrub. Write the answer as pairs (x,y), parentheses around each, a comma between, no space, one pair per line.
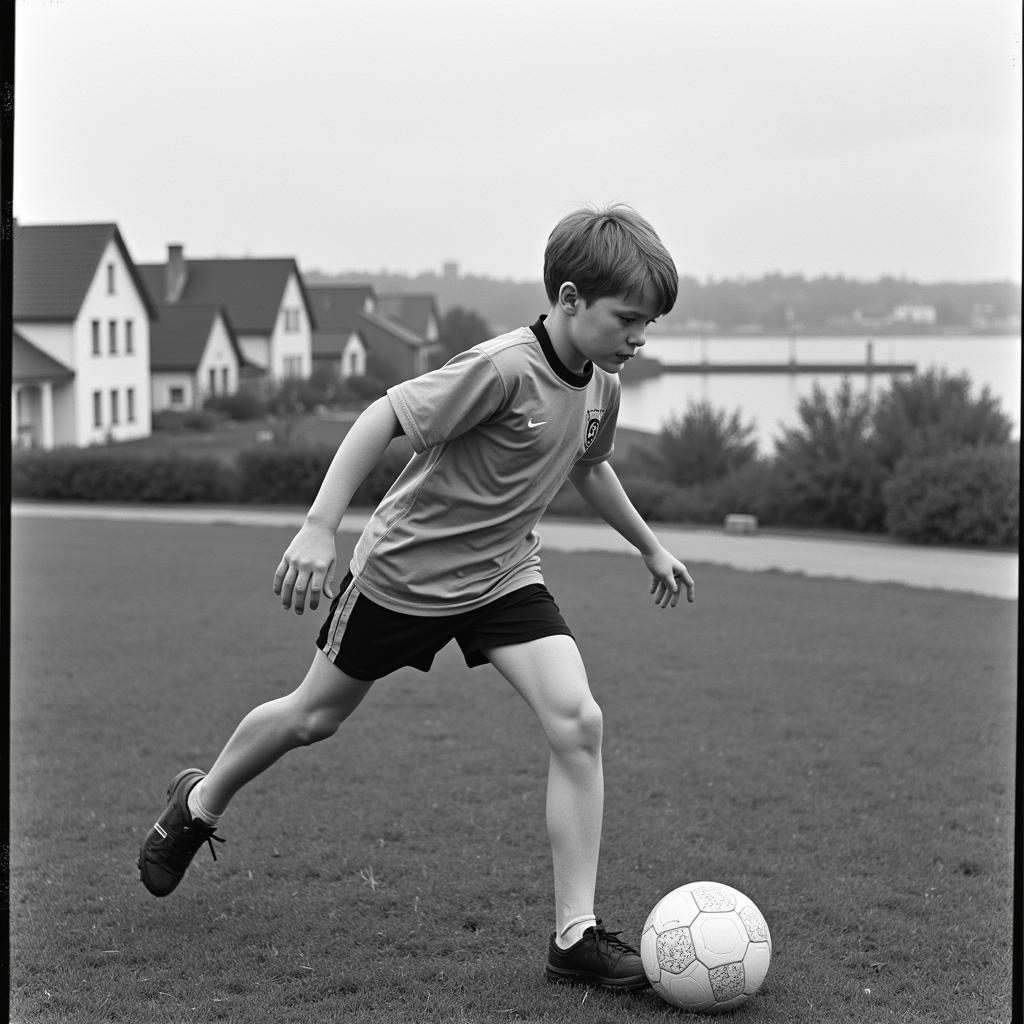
(175,421)
(109,474)
(704,443)
(829,472)
(933,413)
(244,404)
(968,496)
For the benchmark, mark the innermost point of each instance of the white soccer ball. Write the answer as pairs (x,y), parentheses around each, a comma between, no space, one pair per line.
(706,947)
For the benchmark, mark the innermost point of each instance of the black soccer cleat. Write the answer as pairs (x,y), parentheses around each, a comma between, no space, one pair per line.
(172,842)
(599,959)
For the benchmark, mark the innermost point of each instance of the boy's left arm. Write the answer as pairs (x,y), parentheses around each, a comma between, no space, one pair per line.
(600,488)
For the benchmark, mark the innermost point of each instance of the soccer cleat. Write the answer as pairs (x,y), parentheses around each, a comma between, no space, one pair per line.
(599,959)
(172,842)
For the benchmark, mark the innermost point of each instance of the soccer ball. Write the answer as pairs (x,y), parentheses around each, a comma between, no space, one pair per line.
(706,947)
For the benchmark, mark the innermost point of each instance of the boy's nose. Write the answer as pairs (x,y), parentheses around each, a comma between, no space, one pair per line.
(638,337)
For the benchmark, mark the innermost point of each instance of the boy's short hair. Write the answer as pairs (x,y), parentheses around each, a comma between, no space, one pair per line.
(607,252)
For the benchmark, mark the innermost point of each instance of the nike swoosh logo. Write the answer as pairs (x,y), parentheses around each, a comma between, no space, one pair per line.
(539,423)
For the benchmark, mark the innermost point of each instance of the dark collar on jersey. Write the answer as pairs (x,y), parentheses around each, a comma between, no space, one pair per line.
(577,380)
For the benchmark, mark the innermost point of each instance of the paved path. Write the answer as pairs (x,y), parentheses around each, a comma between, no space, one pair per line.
(993,573)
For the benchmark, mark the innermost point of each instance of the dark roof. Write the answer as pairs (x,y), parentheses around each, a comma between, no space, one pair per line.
(31,365)
(249,288)
(337,306)
(412,310)
(373,326)
(178,339)
(54,264)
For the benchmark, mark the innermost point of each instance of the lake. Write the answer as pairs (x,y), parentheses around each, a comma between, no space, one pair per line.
(770,399)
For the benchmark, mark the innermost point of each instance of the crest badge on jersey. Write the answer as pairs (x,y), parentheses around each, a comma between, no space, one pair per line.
(593,426)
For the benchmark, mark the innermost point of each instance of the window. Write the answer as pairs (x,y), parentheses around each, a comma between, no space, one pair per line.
(110,278)
(213,381)
(292,367)
(129,337)
(291,321)
(112,337)
(129,401)
(225,380)
(115,406)
(96,338)
(97,408)
(176,396)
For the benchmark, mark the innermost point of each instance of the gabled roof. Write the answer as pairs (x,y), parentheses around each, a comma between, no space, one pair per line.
(31,365)
(178,339)
(54,264)
(411,309)
(338,306)
(372,327)
(250,288)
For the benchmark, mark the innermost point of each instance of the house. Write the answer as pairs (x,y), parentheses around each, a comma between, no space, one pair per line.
(265,300)
(355,336)
(194,355)
(80,345)
(337,341)
(917,313)
(416,311)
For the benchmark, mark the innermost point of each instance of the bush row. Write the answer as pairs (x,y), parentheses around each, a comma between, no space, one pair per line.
(967,496)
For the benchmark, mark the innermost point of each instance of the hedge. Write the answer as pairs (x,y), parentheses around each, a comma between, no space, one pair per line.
(969,496)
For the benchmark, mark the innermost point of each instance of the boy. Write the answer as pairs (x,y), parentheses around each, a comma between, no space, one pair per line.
(451,553)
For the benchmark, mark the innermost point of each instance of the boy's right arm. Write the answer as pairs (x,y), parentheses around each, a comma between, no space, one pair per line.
(309,561)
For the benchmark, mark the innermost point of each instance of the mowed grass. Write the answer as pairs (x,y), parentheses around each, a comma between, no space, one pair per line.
(843,753)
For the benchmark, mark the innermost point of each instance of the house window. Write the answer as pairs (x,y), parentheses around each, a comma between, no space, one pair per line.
(213,381)
(110,278)
(292,367)
(176,396)
(96,338)
(112,337)
(129,337)
(115,406)
(291,321)
(129,401)
(97,408)
(225,380)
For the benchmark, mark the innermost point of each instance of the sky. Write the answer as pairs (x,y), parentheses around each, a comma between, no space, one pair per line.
(859,138)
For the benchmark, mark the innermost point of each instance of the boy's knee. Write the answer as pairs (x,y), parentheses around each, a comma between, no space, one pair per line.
(582,729)
(310,727)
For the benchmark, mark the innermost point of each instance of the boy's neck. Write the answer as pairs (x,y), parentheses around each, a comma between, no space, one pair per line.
(556,324)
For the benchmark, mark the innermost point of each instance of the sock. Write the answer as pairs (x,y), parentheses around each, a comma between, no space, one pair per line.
(573,931)
(196,808)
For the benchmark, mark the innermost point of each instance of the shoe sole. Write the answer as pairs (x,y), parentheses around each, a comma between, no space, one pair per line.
(557,976)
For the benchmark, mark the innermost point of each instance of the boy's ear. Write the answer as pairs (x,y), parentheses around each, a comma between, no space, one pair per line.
(568,297)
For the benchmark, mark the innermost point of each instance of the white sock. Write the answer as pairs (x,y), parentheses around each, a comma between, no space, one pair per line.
(573,931)
(196,808)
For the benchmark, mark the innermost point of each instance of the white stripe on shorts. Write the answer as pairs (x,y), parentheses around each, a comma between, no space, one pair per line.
(339,620)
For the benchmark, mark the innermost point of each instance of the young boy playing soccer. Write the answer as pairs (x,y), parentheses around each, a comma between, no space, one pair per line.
(452,552)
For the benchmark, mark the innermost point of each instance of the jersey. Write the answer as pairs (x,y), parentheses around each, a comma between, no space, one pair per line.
(495,433)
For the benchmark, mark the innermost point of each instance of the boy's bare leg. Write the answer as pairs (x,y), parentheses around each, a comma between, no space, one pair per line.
(550,676)
(311,712)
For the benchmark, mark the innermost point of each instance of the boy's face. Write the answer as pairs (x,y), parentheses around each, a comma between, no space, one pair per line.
(609,331)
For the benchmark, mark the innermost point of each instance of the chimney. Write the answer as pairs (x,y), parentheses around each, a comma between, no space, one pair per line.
(174,279)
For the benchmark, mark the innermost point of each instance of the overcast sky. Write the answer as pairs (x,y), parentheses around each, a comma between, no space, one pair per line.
(861,138)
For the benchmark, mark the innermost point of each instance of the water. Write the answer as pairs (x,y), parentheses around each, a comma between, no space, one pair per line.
(770,399)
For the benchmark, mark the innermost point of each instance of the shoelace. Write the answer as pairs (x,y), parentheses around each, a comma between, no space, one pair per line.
(611,940)
(191,838)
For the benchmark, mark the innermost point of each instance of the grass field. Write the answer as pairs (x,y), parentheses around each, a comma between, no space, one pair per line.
(841,752)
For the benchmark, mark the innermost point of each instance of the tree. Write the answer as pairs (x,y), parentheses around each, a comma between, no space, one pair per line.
(461,329)
(704,444)
(934,413)
(830,467)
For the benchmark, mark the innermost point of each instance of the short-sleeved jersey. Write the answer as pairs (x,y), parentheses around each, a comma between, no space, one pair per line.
(495,433)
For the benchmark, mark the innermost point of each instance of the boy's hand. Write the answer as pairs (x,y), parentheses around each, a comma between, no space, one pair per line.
(669,576)
(307,567)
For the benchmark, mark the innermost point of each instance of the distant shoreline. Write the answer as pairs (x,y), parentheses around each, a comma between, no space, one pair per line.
(770,334)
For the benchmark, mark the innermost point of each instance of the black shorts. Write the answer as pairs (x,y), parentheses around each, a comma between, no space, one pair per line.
(367,641)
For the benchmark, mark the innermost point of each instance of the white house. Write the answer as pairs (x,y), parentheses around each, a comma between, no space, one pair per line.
(80,354)
(194,355)
(337,341)
(265,300)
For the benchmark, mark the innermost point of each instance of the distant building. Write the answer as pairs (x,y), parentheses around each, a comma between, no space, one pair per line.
(337,340)
(416,311)
(265,300)
(81,341)
(918,314)
(194,355)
